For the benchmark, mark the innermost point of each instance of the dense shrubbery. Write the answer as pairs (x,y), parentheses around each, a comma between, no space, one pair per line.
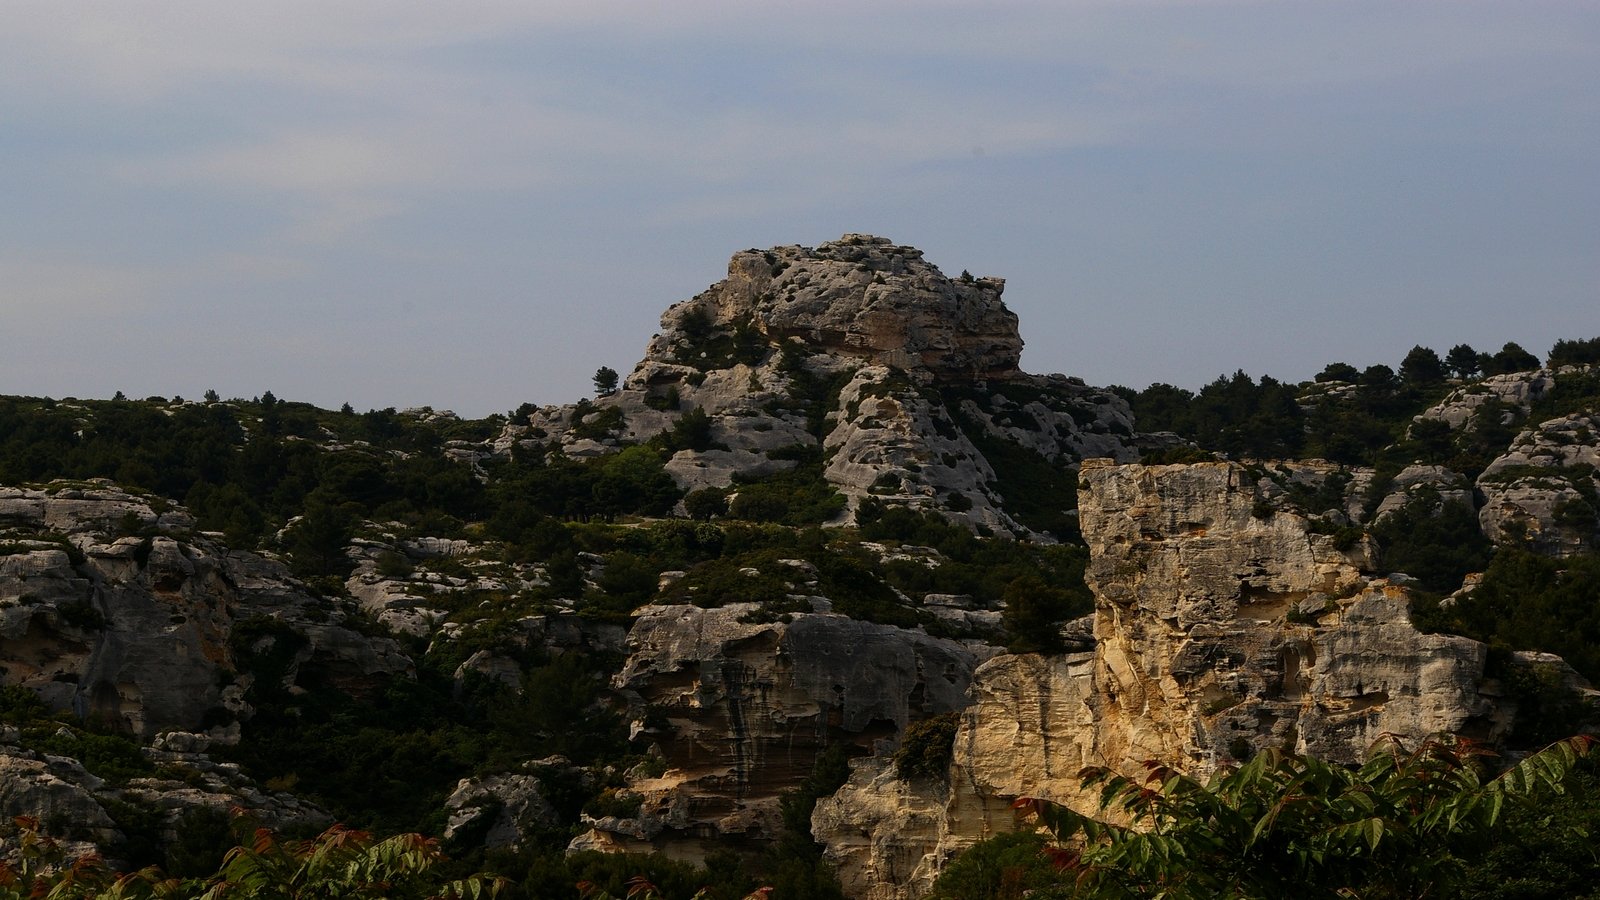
(1404,825)
(1532,602)
(927,747)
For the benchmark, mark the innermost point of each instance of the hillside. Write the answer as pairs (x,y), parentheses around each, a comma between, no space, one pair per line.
(824,517)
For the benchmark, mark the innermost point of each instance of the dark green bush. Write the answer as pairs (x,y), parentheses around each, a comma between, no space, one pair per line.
(926,748)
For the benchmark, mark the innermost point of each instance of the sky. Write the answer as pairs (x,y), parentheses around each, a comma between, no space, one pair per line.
(474,205)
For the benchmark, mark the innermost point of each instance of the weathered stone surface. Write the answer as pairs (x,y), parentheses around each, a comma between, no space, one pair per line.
(136,630)
(1543,491)
(1223,625)
(500,811)
(1452,488)
(739,709)
(884,836)
(860,296)
(55,790)
(1511,393)
(71,803)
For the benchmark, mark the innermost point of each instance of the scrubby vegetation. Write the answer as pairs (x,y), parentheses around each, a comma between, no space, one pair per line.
(1407,824)
(598,537)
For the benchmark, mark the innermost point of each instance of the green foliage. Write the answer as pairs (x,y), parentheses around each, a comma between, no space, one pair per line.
(1574,353)
(1463,361)
(858,592)
(926,748)
(723,581)
(605,381)
(1035,610)
(1531,602)
(1422,366)
(706,503)
(1009,866)
(1338,371)
(1176,456)
(795,868)
(1545,851)
(341,862)
(633,481)
(1511,358)
(708,346)
(387,761)
(692,431)
(596,425)
(611,802)
(316,544)
(1283,825)
(114,757)
(1234,414)
(1435,542)
(798,497)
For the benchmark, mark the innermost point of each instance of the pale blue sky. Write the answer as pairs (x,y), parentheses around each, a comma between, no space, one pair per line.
(474,205)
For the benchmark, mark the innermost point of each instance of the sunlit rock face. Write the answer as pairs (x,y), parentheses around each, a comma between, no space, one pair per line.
(1224,624)
(863,297)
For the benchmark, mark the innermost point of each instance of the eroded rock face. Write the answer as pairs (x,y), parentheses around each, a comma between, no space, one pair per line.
(1505,393)
(740,709)
(1224,625)
(499,811)
(72,804)
(1451,487)
(1542,493)
(136,630)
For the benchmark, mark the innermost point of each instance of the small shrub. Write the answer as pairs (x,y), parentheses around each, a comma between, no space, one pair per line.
(926,748)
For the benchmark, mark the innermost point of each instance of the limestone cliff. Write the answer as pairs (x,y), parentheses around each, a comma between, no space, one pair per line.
(113,609)
(1225,623)
(1544,492)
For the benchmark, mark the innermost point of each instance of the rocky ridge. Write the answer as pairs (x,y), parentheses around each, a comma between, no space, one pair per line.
(858,351)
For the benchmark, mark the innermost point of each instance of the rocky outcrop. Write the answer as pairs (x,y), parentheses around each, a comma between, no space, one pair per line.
(1415,480)
(1225,623)
(860,296)
(1509,395)
(859,352)
(74,805)
(113,609)
(1544,492)
(739,708)
(499,811)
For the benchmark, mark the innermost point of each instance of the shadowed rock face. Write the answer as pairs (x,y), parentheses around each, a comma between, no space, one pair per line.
(1223,625)
(136,631)
(739,711)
